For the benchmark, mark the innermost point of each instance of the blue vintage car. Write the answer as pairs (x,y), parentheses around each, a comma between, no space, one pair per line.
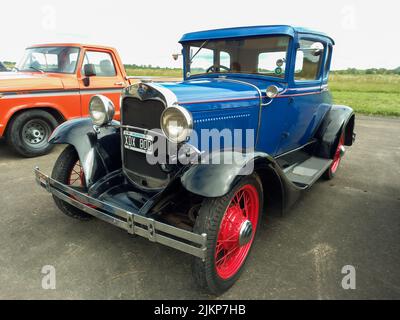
(196,164)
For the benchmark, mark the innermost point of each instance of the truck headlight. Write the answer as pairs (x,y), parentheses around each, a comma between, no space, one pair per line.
(176,124)
(101,110)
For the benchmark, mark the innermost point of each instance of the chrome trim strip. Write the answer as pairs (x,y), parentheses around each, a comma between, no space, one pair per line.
(151,90)
(133,223)
(170,98)
(294,150)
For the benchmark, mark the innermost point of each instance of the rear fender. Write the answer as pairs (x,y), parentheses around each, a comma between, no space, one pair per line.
(99,153)
(339,120)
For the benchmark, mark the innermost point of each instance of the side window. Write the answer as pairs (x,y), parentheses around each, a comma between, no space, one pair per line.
(308,60)
(102,61)
(327,61)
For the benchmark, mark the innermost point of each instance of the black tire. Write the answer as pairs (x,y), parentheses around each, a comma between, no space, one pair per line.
(209,221)
(21,134)
(62,172)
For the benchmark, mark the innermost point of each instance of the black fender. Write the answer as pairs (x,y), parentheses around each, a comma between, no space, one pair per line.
(216,180)
(339,119)
(215,177)
(99,153)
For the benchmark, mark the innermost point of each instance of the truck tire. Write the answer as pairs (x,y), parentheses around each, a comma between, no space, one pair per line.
(68,171)
(29,131)
(230,223)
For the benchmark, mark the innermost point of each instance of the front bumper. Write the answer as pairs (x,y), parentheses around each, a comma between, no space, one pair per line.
(135,224)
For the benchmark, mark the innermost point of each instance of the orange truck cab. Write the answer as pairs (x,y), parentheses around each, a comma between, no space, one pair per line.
(54,83)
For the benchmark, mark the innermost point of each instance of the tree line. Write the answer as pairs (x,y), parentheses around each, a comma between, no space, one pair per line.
(367,71)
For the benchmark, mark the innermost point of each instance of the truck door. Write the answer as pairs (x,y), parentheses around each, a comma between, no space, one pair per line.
(106,79)
(305,105)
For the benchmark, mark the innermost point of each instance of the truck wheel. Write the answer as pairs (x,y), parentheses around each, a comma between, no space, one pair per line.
(29,132)
(68,171)
(230,223)
(331,172)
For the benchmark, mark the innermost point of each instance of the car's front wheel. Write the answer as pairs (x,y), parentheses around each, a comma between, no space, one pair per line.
(29,132)
(68,171)
(230,223)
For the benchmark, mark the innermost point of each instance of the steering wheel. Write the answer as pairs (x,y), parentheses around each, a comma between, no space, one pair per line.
(216,67)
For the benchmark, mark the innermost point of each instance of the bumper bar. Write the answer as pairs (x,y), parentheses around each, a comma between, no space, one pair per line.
(133,223)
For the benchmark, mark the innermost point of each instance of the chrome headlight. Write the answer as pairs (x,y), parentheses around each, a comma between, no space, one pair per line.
(101,110)
(176,124)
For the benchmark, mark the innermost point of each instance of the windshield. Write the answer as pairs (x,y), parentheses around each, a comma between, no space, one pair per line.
(262,55)
(50,59)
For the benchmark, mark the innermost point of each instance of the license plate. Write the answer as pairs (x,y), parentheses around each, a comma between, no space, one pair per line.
(138,142)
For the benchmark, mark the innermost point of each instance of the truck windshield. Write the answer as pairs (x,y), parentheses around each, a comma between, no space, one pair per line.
(259,55)
(50,59)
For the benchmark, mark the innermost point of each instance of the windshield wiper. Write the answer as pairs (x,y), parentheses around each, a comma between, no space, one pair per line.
(37,69)
(201,47)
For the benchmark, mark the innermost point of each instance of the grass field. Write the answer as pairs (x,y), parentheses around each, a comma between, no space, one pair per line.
(154,72)
(368,94)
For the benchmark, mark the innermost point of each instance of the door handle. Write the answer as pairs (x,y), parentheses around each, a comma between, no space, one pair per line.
(121,83)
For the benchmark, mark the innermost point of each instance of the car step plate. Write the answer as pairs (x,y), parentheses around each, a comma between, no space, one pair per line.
(309,171)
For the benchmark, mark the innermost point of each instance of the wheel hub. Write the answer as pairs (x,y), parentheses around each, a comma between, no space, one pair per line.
(34,133)
(245,233)
(239,230)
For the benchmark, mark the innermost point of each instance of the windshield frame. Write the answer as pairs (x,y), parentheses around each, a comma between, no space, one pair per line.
(23,59)
(187,60)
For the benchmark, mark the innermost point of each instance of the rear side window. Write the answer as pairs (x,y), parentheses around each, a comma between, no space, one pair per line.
(308,60)
(327,61)
(102,61)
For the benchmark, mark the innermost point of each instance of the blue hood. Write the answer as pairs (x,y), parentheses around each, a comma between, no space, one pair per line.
(211,94)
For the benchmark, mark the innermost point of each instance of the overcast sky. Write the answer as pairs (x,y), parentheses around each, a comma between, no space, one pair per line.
(146,32)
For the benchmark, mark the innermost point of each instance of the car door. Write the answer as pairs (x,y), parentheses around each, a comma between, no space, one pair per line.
(107,80)
(304,110)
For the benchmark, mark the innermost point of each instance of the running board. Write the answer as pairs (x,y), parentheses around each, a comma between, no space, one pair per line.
(306,173)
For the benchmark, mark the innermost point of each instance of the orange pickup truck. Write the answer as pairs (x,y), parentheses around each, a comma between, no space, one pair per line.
(54,83)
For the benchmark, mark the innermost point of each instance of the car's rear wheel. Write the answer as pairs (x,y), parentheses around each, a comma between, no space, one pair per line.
(68,171)
(331,172)
(230,223)
(29,132)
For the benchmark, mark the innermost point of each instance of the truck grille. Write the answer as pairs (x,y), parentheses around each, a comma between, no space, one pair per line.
(145,115)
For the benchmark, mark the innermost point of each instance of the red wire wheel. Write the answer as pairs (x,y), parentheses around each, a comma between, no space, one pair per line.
(337,158)
(77,177)
(230,223)
(68,171)
(237,230)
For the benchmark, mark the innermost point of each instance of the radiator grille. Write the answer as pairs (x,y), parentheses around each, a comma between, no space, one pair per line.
(145,115)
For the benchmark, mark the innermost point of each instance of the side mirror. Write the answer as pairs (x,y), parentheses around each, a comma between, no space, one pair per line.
(89,70)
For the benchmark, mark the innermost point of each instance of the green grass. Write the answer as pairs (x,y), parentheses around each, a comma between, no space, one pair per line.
(368,94)
(154,72)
